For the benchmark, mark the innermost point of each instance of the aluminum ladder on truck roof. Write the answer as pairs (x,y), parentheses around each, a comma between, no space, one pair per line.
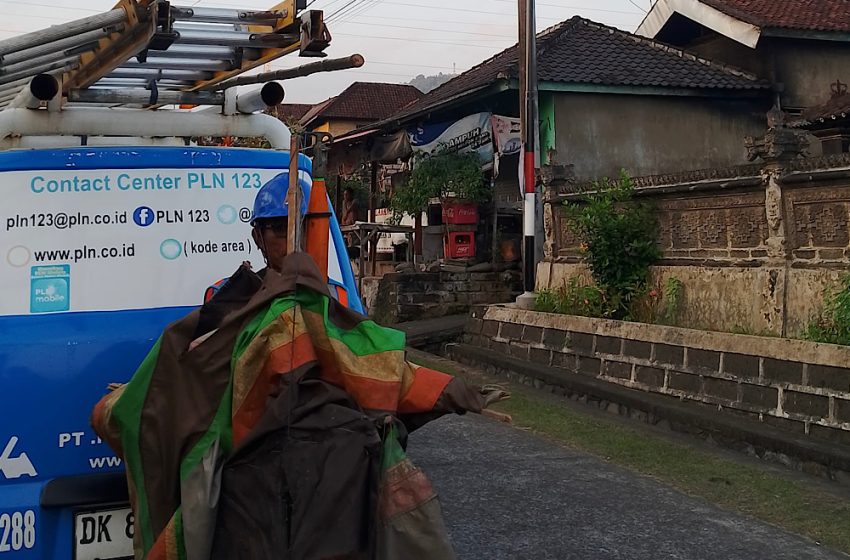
(79,78)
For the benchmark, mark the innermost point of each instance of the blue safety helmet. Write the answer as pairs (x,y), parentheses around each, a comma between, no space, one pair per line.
(271,199)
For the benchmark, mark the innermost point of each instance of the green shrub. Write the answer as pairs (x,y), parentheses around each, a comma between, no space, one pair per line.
(619,242)
(673,291)
(645,306)
(458,175)
(573,298)
(832,325)
(546,301)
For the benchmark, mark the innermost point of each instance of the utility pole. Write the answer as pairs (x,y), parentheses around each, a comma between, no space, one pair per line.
(527,45)
(522,44)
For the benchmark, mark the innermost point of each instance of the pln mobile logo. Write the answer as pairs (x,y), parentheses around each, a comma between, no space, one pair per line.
(143,216)
(50,289)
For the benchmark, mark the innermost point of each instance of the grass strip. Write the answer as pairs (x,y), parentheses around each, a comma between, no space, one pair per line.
(761,493)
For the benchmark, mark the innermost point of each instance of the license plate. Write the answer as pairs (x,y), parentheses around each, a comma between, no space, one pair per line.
(104,534)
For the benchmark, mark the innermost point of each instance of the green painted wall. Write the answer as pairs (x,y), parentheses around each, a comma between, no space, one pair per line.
(547,125)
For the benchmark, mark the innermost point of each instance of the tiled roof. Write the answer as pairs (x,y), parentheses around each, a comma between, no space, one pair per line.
(579,51)
(316,110)
(814,15)
(366,101)
(836,108)
(291,111)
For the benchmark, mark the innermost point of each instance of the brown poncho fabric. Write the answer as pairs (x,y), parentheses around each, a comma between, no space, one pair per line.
(264,425)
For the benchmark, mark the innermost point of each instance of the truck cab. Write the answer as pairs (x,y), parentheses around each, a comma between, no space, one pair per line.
(114,224)
(102,248)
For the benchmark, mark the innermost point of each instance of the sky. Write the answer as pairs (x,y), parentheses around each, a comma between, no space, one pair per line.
(398,38)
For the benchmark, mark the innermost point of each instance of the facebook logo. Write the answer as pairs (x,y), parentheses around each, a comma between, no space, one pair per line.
(143,216)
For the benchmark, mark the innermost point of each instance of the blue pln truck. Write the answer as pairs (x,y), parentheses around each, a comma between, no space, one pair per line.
(100,249)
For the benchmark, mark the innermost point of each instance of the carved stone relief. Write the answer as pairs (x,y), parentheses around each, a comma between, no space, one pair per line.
(713,229)
(746,227)
(828,225)
(566,240)
(684,230)
(773,205)
(776,243)
(773,220)
(716,222)
(548,229)
(821,216)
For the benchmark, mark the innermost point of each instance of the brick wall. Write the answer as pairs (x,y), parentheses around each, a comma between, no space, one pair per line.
(399,297)
(795,385)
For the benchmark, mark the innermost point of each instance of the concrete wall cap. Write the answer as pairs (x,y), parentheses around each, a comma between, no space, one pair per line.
(777,348)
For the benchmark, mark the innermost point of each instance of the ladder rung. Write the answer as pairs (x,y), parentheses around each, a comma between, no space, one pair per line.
(223,15)
(214,38)
(156,74)
(196,51)
(142,97)
(233,38)
(181,64)
(142,83)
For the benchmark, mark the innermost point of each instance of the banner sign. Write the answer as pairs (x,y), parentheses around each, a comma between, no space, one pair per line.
(507,134)
(115,239)
(471,134)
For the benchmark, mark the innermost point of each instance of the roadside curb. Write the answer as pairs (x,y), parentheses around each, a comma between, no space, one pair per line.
(727,429)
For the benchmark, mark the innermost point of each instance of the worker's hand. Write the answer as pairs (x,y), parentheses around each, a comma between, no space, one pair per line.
(494,393)
(247,264)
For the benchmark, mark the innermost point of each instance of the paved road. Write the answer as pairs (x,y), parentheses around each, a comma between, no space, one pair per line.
(511,496)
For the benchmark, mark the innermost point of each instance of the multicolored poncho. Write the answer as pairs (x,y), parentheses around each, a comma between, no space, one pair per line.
(252,428)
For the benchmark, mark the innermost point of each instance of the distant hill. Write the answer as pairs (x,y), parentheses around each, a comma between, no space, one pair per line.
(427,83)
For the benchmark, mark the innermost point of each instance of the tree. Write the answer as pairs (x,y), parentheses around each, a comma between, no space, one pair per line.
(427,83)
(457,175)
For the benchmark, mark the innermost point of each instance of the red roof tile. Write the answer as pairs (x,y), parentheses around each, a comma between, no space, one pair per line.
(366,101)
(814,15)
(291,111)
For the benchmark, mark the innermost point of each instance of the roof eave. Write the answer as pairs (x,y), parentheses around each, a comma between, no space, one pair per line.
(757,90)
(745,33)
(819,123)
(811,34)
(497,86)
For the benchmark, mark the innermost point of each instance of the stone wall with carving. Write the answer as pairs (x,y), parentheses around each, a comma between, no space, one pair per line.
(755,246)
(694,228)
(818,222)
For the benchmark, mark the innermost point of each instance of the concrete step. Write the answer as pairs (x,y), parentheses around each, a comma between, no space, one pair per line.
(429,333)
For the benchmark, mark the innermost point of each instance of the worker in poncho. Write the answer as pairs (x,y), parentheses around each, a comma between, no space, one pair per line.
(267,424)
